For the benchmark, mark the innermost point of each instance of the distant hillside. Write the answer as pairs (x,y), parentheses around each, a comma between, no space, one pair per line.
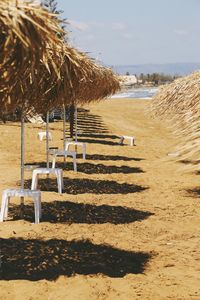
(171,69)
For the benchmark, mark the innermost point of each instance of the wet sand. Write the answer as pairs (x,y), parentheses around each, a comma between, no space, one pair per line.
(126,226)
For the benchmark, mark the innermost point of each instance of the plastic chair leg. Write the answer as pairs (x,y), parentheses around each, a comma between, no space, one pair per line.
(84,152)
(4,205)
(59,182)
(54,162)
(34,181)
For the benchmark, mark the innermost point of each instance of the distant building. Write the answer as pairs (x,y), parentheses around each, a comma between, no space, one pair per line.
(128,80)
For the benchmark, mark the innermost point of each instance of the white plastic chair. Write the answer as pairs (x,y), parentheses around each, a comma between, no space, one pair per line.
(47,171)
(56,153)
(34,194)
(130,138)
(80,144)
(42,135)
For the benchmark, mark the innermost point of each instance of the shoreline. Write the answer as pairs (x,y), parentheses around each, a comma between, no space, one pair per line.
(136,93)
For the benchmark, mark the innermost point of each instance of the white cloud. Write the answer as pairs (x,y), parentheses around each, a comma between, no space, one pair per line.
(181,32)
(127,36)
(78,25)
(118,26)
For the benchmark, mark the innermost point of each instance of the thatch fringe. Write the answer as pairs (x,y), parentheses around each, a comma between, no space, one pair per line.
(179,103)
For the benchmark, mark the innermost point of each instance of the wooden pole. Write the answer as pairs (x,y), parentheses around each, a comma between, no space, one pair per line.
(64,132)
(47,139)
(72,121)
(76,124)
(22,165)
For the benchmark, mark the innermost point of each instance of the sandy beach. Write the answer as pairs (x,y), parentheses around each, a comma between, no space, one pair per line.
(126,226)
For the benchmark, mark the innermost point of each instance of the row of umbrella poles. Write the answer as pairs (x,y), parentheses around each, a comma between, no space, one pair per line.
(47,145)
(64,132)
(39,72)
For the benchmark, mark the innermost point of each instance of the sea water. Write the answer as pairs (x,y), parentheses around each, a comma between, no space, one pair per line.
(140,93)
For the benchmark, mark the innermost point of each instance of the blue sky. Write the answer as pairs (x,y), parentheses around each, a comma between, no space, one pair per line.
(135,31)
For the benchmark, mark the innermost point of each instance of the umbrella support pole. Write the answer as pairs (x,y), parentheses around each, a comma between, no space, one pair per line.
(22,166)
(76,124)
(47,145)
(76,128)
(64,133)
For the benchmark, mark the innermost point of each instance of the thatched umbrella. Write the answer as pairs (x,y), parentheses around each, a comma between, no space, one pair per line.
(81,80)
(97,83)
(90,82)
(179,103)
(37,71)
(103,85)
(29,39)
(177,97)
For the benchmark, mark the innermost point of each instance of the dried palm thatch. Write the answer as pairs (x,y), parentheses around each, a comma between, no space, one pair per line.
(37,71)
(179,102)
(29,36)
(97,81)
(81,80)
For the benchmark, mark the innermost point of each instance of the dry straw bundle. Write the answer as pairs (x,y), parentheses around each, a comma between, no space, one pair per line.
(179,102)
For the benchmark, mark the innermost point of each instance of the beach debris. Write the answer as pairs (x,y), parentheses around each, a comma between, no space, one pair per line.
(35,119)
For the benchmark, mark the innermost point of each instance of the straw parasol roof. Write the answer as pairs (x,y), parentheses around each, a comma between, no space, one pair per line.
(179,103)
(29,36)
(97,82)
(37,71)
(81,80)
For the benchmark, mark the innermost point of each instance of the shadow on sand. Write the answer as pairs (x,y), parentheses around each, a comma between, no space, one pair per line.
(100,136)
(70,212)
(190,162)
(194,192)
(38,259)
(87,186)
(103,169)
(110,157)
(98,141)
(89,168)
